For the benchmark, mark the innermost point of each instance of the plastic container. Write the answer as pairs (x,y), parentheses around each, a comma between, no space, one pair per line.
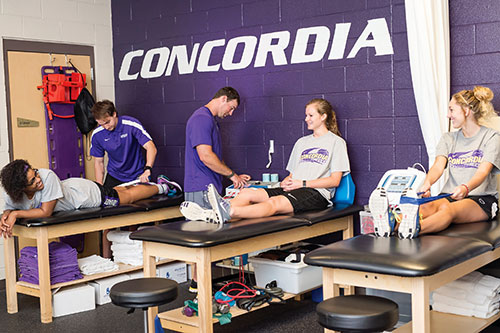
(293,278)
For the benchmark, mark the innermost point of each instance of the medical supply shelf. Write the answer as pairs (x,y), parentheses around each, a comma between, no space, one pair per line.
(175,320)
(22,286)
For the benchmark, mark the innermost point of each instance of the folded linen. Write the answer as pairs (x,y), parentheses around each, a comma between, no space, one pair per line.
(121,237)
(96,264)
(441,307)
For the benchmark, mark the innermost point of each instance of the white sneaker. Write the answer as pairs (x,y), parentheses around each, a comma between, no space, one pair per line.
(194,212)
(410,222)
(219,205)
(383,221)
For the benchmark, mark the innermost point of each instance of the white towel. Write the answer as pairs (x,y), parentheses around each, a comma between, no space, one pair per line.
(474,287)
(440,307)
(454,296)
(129,260)
(489,305)
(126,247)
(117,236)
(96,264)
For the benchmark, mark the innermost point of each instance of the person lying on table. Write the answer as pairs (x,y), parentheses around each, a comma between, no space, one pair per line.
(316,165)
(35,193)
(471,154)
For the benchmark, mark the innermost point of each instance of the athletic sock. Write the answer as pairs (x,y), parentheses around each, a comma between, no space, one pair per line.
(162,188)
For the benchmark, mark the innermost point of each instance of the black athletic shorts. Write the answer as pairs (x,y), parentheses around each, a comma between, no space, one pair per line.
(111,181)
(488,203)
(302,199)
(109,196)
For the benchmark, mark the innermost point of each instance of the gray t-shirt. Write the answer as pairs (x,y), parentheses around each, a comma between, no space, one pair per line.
(464,156)
(314,158)
(71,193)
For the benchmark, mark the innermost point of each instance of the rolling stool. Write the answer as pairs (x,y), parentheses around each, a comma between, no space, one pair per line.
(143,293)
(357,313)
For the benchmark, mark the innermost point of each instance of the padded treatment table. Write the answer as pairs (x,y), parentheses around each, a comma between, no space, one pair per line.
(416,266)
(69,223)
(203,243)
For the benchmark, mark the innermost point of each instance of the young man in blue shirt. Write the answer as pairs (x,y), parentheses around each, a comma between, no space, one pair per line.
(122,138)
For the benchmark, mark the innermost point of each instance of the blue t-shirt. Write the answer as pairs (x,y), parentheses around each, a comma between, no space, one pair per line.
(123,145)
(201,128)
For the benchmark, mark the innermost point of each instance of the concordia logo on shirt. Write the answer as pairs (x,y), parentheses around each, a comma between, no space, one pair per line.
(468,159)
(314,155)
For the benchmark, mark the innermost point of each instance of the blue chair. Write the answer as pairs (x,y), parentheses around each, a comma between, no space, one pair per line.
(345,191)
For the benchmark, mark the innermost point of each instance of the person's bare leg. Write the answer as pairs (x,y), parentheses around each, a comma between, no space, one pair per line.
(462,211)
(274,205)
(131,194)
(248,196)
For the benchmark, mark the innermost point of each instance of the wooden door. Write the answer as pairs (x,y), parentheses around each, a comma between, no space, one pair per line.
(27,114)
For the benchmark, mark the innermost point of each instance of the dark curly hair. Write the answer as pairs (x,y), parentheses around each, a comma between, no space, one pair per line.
(14,180)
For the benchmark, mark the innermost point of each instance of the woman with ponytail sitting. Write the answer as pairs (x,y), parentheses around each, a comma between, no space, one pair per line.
(471,154)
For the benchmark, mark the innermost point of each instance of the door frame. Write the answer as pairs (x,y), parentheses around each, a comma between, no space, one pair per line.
(40,47)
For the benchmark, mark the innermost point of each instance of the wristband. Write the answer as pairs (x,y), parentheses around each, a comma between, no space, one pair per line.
(304,183)
(231,175)
(467,188)
(147,167)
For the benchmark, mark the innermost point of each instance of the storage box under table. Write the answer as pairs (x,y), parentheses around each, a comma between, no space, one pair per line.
(293,278)
(73,299)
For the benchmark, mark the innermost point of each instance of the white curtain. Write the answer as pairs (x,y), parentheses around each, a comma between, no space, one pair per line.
(428,33)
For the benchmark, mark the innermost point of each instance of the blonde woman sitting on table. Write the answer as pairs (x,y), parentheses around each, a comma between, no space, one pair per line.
(36,193)
(316,165)
(471,155)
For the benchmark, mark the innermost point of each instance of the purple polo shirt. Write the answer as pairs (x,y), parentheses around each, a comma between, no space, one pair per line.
(124,148)
(201,128)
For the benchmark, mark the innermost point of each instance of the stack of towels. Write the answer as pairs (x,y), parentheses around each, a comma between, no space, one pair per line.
(125,250)
(95,264)
(62,259)
(473,295)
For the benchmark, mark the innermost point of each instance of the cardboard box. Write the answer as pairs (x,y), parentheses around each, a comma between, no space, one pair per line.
(176,271)
(103,286)
(293,278)
(73,299)
(136,275)
(366,222)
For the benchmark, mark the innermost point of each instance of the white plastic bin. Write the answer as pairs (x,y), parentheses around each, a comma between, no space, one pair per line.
(293,278)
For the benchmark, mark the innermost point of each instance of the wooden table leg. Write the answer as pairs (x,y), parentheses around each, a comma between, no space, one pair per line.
(330,289)
(10,274)
(420,311)
(150,271)
(42,244)
(204,277)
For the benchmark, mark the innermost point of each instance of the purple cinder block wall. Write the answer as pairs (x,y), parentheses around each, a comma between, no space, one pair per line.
(372,95)
(475,45)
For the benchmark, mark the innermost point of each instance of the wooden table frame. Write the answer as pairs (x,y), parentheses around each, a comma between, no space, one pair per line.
(203,257)
(423,319)
(43,234)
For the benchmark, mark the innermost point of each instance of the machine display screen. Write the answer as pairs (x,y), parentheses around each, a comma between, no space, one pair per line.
(399,183)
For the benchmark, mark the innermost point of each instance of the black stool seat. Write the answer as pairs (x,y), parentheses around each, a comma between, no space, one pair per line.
(143,292)
(358,313)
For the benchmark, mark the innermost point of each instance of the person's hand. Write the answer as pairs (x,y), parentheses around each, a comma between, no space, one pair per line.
(459,192)
(144,178)
(291,184)
(8,221)
(425,189)
(239,181)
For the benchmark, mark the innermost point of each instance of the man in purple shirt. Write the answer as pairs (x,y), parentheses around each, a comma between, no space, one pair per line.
(122,138)
(203,159)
